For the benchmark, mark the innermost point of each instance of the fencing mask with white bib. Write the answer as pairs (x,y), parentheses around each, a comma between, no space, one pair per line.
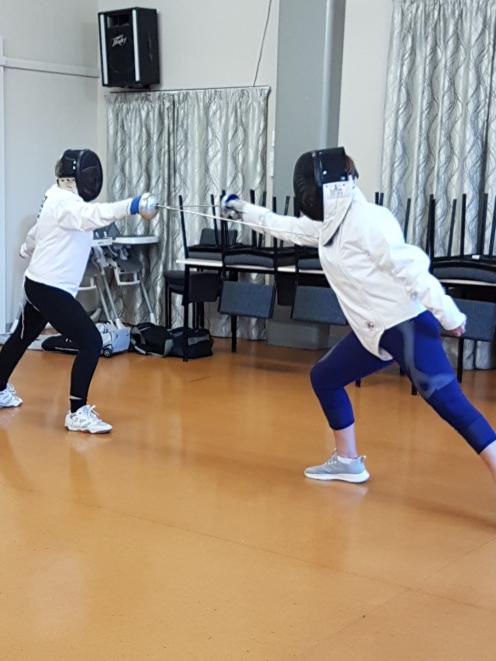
(324,187)
(84,166)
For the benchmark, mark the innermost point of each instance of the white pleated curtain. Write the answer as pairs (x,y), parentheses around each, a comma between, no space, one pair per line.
(440,119)
(190,143)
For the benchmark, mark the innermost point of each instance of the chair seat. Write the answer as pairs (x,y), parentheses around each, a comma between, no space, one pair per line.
(265,259)
(309,264)
(198,253)
(464,269)
(249,260)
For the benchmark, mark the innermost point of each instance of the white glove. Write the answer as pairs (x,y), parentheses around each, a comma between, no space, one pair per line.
(24,252)
(29,244)
(231,207)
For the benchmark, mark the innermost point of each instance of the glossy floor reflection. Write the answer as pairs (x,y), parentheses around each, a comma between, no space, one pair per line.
(191,533)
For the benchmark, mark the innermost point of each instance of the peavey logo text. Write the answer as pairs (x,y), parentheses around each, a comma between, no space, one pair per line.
(120,40)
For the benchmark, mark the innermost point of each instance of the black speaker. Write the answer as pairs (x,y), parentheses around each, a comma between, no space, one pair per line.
(129,47)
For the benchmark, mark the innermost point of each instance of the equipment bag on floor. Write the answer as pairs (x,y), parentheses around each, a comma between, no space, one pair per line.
(114,340)
(149,339)
(200,342)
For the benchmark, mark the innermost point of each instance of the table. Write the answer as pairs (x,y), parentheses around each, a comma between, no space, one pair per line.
(136,240)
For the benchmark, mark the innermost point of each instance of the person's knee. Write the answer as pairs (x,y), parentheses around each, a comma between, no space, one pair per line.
(318,378)
(326,380)
(452,405)
(97,342)
(314,376)
(92,342)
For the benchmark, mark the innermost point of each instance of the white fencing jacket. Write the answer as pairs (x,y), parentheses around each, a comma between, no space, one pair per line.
(379,280)
(59,244)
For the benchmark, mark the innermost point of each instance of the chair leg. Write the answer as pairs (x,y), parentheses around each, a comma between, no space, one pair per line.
(413,390)
(168,306)
(234,334)
(358,383)
(459,360)
(186,314)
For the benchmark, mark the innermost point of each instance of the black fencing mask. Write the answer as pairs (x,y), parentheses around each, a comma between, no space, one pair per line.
(84,166)
(313,170)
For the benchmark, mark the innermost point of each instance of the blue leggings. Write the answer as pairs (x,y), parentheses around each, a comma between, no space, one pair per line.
(416,345)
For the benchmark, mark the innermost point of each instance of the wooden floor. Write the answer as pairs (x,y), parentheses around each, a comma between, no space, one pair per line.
(191,533)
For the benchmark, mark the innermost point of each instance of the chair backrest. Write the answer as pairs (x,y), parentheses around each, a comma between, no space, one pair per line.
(481,319)
(247,299)
(318,305)
(209,237)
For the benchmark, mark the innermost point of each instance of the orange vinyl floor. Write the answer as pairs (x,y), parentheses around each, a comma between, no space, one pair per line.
(191,533)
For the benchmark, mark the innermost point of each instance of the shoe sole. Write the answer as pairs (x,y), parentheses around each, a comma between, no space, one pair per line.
(10,406)
(88,431)
(342,477)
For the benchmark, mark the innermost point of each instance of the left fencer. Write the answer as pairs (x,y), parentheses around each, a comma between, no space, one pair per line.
(58,247)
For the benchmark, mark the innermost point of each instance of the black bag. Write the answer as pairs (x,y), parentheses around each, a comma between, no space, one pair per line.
(59,343)
(114,340)
(150,339)
(199,342)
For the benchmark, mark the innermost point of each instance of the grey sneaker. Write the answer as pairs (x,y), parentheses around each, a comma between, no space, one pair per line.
(9,398)
(334,469)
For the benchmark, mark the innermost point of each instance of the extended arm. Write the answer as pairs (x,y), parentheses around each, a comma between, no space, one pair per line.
(302,230)
(83,216)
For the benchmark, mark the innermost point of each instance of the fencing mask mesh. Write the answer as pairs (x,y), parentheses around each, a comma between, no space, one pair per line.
(85,167)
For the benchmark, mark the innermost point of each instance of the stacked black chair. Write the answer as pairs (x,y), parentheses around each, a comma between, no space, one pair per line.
(481,325)
(470,276)
(248,299)
(195,287)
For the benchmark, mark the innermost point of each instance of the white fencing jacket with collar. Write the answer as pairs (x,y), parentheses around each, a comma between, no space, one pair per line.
(379,280)
(59,244)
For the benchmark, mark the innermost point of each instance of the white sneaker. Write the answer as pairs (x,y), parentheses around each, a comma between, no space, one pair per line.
(9,398)
(86,419)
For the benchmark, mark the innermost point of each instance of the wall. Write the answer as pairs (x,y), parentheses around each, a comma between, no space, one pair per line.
(44,112)
(310,48)
(203,44)
(210,43)
(216,43)
(366,41)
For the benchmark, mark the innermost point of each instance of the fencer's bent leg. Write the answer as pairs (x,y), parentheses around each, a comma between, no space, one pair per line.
(346,362)
(29,326)
(69,317)
(416,344)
